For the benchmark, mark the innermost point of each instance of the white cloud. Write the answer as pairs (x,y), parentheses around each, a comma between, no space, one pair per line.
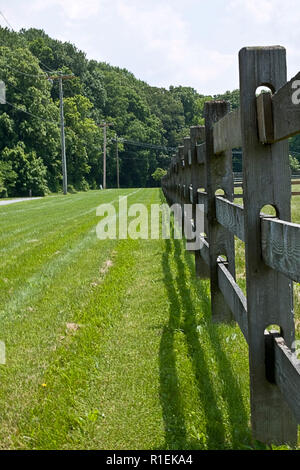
(261,10)
(72,9)
(193,43)
(268,22)
(277,12)
(164,34)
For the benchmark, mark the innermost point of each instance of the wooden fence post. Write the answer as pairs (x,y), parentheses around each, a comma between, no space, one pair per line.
(187,168)
(218,176)
(266,180)
(176,178)
(187,179)
(172,181)
(180,161)
(198,180)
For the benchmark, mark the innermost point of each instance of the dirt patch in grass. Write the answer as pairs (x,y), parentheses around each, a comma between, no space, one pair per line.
(72,326)
(103,270)
(108,264)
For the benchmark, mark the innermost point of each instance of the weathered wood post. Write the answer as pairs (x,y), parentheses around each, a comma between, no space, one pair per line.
(170,178)
(177,177)
(187,180)
(218,176)
(187,167)
(176,170)
(198,180)
(266,180)
(197,135)
(164,184)
(173,181)
(181,168)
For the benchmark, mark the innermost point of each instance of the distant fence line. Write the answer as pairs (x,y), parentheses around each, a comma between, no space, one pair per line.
(238,183)
(203,165)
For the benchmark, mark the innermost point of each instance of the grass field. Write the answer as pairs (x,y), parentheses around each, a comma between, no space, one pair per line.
(240,253)
(109,344)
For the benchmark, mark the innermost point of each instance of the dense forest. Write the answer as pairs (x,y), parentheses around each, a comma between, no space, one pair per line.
(30,148)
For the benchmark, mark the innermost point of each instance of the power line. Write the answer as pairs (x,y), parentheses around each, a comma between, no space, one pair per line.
(28,74)
(146,145)
(44,75)
(46,67)
(150,146)
(26,112)
(31,114)
(131,158)
(9,25)
(7,85)
(19,89)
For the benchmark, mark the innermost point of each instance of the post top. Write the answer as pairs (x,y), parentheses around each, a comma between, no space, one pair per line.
(262,49)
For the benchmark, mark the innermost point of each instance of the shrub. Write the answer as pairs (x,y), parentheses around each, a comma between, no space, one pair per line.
(7,179)
(294,164)
(29,169)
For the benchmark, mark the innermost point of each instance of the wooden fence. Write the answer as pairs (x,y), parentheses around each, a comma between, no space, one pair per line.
(202,165)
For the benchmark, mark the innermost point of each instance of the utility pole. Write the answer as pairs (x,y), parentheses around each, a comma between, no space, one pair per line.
(62,138)
(117,155)
(104,125)
(60,77)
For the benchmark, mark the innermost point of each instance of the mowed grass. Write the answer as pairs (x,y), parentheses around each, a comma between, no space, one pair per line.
(240,253)
(109,343)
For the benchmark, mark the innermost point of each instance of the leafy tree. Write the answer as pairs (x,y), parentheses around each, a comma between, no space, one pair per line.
(83,142)
(30,171)
(29,122)
(93,83)
(294,164)
(158,174)
(190,99)
(30,115)
(8,179)
(232,96)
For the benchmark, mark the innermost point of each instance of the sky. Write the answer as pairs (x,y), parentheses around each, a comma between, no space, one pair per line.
(167,42)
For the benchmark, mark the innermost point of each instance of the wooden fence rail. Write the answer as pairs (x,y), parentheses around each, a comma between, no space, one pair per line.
(202,166)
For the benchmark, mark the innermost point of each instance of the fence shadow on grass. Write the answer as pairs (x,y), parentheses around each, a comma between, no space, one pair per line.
(183,316)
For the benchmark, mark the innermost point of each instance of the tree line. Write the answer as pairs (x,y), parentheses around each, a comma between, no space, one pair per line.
(30,149)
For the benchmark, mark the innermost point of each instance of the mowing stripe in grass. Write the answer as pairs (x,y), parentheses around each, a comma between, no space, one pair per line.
(10,230)
(36,282)
(36,325)
(144,367)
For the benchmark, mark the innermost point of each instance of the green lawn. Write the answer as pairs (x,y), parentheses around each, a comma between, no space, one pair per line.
(109,343)
(240,254)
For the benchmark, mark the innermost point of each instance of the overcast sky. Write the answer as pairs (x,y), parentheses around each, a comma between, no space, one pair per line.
(167,42)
